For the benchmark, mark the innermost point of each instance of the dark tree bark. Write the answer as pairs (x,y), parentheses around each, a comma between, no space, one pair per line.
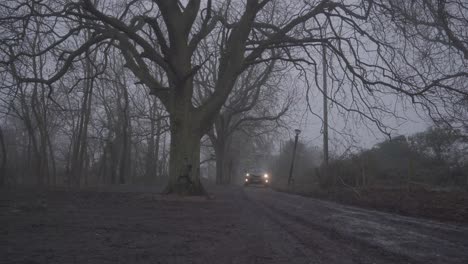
(222,159)
(125,128)
(184,161)
(3,161)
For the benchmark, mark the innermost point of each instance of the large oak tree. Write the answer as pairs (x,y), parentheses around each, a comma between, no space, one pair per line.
(164,35)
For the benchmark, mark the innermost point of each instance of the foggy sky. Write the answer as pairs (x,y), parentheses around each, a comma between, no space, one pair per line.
(364,134)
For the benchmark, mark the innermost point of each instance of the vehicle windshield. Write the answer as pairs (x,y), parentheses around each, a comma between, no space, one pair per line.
(256,171)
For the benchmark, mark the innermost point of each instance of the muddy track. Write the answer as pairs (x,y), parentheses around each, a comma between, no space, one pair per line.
(240,225)
(325,244)
(361,234)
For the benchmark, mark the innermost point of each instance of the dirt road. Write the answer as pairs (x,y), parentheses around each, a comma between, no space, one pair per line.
(252,225)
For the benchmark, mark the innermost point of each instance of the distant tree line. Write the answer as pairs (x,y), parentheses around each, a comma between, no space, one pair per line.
(437,157)
(96,129)
(101,91)
(100,128)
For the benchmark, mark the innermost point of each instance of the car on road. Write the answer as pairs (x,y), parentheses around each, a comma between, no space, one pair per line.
(258,177)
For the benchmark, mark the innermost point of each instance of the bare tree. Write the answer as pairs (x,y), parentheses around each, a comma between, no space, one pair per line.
(434,21)
(4,159)
(256,107)
(80,142)
(165,35)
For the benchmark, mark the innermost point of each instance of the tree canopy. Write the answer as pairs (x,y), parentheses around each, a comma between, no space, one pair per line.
(415,49)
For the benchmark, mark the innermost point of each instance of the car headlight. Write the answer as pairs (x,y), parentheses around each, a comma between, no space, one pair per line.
(265,176)
(246,180)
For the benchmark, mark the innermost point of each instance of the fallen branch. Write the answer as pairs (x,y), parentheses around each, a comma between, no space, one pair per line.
(349,186)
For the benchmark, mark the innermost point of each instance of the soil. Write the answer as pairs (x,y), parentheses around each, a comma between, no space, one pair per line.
(232,225)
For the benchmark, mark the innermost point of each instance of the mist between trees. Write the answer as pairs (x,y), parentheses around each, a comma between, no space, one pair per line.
(434,159)
(162,92)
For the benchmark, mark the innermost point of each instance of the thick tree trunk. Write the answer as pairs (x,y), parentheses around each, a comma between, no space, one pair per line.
(52,161)
(113,162)
(3,160)
(184,161)
(219,165)
(229,172)
(150,159)
(222,163)
(125,134)
(224,158)
(156,162)
(162,167)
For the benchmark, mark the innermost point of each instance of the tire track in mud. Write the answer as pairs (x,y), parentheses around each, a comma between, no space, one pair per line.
(283,239)
(454,234)
(279,245)
(429,242)
(326,243)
